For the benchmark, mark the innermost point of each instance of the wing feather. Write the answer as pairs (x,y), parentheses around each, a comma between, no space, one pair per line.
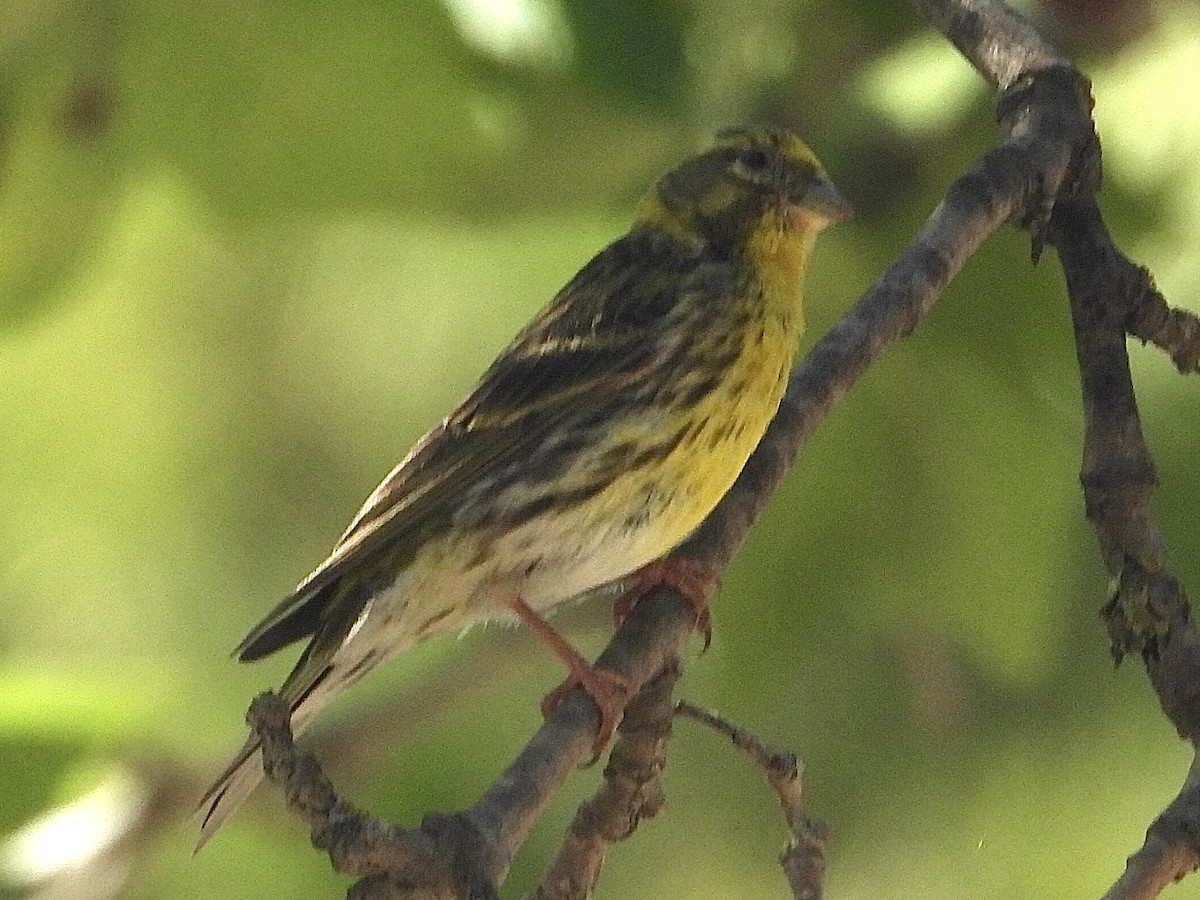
(597,337)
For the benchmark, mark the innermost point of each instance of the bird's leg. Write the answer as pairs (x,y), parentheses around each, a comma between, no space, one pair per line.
(694,580)
(610,690)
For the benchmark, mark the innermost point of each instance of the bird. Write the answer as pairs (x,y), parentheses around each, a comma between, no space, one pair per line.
(596,442)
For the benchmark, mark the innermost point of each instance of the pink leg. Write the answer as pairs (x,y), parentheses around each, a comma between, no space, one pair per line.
(610,690)
(694,580)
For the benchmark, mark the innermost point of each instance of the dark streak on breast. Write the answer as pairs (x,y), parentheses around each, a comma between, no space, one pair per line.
(424,627)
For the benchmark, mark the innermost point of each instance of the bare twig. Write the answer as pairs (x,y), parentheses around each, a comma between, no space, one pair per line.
(1109,297)
(632,790)
(1168,853)
(1174,331)
(1156,866)
(394,862)
(1001,45)
(803,860)
(1148,612)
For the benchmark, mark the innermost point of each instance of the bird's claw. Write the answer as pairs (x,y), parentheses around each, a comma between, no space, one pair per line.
(693,580)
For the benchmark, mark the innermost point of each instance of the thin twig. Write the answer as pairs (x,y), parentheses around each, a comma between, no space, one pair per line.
(632,790)
(1174,331)
(1109,298)
(803,860)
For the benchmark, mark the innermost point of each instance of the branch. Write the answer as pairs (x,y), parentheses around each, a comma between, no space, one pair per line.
(466,854)
(1166,856)
(632,790)
(1109,298)
(1001,45)
(1175,331)
(1148,612)
(803,860)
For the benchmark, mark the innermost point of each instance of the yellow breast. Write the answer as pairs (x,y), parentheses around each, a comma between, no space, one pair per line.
(729,421)
(721,401)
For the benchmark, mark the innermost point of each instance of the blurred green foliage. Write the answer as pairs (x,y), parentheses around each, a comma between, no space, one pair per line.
(249,252)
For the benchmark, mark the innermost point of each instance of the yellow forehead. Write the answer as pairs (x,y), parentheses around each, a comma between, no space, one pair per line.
(772,139)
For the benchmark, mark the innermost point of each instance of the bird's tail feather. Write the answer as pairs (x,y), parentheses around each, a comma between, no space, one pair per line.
(230,790)
(244,773)
(346,647)
(308,689)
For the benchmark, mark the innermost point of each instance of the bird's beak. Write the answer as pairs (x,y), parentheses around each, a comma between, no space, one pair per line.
(822,204)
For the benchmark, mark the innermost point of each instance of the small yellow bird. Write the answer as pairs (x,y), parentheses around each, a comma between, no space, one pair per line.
(595,443)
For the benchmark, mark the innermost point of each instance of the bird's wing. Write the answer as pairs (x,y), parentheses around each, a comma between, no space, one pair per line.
(600,336)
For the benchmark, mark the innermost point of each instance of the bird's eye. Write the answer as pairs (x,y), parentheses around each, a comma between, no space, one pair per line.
(753,159)
(753,163)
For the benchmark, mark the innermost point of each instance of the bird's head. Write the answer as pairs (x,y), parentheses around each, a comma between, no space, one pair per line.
(751,185)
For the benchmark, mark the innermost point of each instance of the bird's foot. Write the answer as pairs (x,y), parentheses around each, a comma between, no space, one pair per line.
(610,690)
(695,581)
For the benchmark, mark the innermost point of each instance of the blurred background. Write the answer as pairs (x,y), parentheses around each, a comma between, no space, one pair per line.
(250,251)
